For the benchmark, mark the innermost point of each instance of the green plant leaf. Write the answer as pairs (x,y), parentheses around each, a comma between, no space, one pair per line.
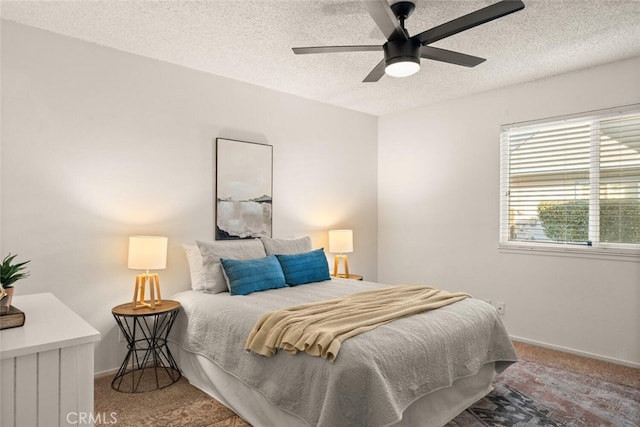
(11,273)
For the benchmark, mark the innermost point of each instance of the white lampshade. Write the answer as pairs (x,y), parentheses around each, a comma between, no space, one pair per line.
(341,241)
(147,252)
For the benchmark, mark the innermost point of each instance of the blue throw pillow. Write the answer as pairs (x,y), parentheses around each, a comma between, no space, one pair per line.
(304,268)
(253,275)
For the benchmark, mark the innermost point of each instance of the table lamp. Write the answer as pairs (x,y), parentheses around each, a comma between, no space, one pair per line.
(341,242)
(147,253)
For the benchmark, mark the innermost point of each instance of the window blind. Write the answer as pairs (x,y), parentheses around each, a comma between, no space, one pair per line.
(572,181)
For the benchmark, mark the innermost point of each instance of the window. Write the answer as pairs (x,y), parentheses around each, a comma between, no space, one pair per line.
(572,183)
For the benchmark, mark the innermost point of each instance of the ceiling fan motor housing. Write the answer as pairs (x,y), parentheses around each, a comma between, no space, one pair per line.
(402,51)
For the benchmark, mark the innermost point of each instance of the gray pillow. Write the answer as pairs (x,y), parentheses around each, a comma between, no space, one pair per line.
(286,246)
(233,249)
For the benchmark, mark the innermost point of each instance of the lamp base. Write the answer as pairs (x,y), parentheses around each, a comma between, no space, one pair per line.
(336,264)
(154,291)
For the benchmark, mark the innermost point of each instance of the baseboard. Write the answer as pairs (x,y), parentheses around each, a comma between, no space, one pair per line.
(107,373)
(112,372)
(577,352)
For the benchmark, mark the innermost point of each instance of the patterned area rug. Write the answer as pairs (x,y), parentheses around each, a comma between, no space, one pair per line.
(529,394)
(507,405)
(526,394)
(204,412)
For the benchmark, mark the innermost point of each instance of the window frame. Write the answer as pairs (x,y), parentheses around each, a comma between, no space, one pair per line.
(614,251)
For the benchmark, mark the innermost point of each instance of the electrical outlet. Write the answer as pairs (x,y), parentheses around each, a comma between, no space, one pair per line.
(501,307)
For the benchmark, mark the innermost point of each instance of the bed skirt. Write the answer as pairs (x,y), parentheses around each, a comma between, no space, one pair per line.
(434,409)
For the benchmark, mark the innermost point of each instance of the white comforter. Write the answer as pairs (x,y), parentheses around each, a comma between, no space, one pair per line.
(377,375)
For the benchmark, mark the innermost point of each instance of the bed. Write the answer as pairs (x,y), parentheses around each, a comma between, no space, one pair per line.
(420,370)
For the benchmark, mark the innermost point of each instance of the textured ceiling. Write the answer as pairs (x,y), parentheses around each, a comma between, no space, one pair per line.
(251,41)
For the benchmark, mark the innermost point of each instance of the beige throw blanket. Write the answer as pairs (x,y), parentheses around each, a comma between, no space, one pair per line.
(318,328)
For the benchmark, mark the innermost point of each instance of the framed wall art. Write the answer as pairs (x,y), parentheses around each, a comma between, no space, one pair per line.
(243,189)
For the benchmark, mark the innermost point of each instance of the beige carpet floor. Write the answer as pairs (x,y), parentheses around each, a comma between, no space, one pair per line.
(183,405)
(581,365)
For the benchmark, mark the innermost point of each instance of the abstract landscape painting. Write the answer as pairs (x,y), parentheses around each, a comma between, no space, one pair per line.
(243,189)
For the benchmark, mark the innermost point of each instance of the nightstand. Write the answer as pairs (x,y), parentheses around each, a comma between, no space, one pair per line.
(149,364)
(350,277)
(46,367)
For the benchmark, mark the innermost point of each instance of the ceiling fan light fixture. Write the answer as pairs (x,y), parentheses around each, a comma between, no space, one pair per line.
(402,57)
(402,67)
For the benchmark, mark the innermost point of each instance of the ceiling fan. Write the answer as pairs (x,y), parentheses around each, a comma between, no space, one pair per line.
(402,52)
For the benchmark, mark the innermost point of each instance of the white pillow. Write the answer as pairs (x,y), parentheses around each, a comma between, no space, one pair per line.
(195,266)
(211,253)
(286,246)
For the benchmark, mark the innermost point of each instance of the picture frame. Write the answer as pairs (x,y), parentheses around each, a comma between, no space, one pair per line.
(244,190)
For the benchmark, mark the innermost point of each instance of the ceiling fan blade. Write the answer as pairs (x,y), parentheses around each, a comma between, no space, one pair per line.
(336,49)
(375,74)
(385,19)
(444,55)
(471,20)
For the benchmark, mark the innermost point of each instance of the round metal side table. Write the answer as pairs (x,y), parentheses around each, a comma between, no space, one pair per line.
(149,364)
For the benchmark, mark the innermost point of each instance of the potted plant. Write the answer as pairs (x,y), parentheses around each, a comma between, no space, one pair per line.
(10,273)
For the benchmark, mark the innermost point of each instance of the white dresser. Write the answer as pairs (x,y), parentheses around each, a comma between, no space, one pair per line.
(46,371)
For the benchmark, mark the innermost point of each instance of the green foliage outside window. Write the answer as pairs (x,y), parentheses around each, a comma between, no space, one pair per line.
(569,221)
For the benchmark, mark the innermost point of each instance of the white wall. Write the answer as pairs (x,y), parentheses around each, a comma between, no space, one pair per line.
(99,144)
(438,214)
